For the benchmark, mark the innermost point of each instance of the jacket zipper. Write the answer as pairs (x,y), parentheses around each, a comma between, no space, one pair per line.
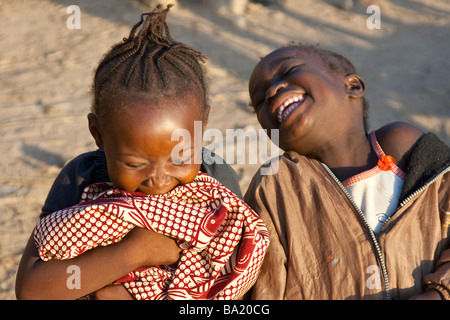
(379,255)
(372,234)
(417,192)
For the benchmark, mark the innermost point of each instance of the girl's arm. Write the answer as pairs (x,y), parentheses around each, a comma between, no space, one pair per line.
(38,279)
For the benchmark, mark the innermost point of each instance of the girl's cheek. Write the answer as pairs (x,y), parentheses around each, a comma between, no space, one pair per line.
(124,180)
(190,174)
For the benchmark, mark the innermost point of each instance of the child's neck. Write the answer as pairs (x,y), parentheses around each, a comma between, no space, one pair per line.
(349,157)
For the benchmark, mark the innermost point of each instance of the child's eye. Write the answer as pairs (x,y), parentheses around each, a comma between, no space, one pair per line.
(291,69)
(132,165)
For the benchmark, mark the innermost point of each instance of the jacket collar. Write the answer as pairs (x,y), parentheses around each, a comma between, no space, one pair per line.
(428,159)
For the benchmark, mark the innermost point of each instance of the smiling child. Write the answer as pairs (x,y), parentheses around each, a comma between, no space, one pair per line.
(352,214)
(144,88)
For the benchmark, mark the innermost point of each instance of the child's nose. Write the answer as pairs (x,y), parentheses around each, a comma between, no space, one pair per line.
(156,180)
(275,88)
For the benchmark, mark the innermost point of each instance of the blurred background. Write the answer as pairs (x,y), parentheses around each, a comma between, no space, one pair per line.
(46,71)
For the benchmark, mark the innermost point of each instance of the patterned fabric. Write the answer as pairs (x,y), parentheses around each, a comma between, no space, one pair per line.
(224,241)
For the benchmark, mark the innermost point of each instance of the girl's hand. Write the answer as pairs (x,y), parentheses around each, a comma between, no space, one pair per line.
(148,248)
(143,245)
(37,279)
(112,292)
(427,295)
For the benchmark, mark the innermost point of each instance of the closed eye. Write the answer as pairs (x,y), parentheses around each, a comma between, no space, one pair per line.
(291,69)
(133,165)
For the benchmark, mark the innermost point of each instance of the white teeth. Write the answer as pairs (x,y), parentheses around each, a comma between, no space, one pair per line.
(291,103)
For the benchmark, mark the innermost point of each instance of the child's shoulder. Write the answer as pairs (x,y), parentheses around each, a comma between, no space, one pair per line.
(398,139)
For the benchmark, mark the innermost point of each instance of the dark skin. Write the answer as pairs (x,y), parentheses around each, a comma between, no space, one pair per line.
(137,145)
(319,114)
(327,125)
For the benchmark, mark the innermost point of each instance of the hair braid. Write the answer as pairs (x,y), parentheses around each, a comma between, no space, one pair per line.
(134,64)
(150,60)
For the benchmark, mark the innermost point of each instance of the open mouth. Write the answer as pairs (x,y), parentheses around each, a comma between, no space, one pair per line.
(288,106)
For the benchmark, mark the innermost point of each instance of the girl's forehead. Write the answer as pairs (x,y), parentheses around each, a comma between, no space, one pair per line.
(142,109)
(150,102)
(280,56)
(271,63)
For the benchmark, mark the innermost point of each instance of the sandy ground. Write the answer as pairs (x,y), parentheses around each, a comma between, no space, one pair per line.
(46,70)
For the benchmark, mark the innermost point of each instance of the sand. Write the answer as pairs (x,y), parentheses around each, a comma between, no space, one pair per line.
(46,71)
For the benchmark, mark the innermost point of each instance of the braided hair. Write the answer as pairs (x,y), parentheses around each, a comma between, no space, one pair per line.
(149,61)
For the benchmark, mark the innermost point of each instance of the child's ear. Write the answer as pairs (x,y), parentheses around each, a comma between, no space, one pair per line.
(355,85)
(94,128)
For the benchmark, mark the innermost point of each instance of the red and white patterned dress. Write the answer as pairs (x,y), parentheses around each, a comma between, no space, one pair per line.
(224,240)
